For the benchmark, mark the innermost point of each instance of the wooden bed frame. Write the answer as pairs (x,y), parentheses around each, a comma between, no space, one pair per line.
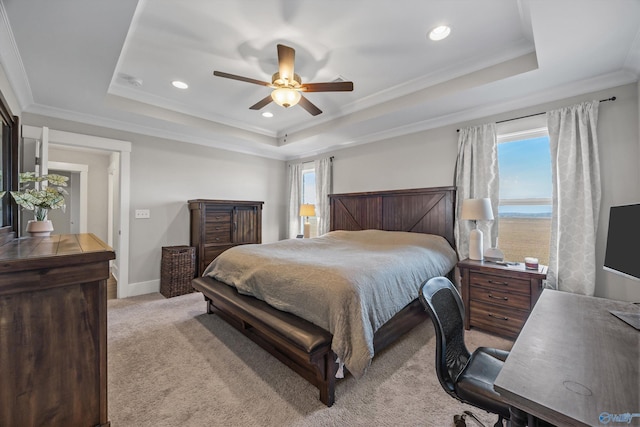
(305,347)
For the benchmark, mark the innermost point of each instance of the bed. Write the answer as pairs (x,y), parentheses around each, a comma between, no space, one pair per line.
(296,334)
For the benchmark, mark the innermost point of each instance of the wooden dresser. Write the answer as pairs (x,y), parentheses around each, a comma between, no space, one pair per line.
(499,298)
(217,225)
(53,331)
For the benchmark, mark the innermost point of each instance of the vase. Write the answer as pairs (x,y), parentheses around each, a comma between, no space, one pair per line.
(39,228)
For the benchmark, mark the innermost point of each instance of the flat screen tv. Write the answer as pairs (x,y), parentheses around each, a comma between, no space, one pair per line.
(623,241)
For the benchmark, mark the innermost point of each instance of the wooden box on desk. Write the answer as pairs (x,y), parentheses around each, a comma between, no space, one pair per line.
(53,331)
(499,298)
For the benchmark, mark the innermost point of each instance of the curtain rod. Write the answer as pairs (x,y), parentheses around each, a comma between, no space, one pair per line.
(613,98)
(330,159)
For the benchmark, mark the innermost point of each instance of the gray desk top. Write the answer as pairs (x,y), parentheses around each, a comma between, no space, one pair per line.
(574,362)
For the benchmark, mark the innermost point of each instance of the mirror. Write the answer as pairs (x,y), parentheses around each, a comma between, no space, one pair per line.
(9,171)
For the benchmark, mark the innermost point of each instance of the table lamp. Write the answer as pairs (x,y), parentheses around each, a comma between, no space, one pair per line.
(476,210)
(307,211)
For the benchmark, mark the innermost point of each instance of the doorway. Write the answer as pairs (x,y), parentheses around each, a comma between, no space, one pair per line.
(73,219)
(120,152)
(67,220)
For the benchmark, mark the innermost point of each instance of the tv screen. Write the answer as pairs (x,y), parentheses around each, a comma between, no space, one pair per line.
(622,255)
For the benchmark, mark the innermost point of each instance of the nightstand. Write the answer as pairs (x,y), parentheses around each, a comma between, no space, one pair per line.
(499,298)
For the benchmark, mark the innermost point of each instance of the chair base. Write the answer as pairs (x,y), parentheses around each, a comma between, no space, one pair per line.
(460,420)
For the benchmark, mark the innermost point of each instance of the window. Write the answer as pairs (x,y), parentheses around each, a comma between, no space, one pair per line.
(525,207)
(309,195)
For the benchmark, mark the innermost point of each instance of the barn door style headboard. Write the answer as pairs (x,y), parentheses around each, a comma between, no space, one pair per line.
(419,210)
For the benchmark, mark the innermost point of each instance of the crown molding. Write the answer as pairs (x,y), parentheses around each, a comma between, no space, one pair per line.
(57,113)
(606,81)
(12,62)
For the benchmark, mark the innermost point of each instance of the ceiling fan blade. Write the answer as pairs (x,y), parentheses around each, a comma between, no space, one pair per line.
(286,59)
(307,105)
(262,103)
(242,79)
(328,87)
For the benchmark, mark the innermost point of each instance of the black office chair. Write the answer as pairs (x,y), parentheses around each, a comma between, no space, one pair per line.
(465,376)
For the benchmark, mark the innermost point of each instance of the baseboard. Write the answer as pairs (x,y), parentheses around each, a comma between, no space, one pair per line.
(141,288)
(113,267)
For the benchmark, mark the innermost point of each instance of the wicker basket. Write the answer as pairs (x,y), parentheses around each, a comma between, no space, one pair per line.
(178,268)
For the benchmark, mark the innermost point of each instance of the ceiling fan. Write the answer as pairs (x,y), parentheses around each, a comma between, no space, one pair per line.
(288,86)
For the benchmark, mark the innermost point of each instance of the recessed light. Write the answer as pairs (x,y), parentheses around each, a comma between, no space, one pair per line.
(439,33)
(179,84)
(267,114)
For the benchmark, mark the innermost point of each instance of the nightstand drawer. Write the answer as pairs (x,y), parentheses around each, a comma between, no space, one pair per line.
(501,320)
(500,297)
(499,282)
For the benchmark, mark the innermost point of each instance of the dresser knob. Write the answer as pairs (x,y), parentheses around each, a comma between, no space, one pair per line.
(500,298)
(498,317)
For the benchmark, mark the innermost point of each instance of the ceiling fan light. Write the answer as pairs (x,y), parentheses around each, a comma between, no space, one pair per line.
(286,97)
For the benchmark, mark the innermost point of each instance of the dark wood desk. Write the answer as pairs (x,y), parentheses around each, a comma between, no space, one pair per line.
(573,362)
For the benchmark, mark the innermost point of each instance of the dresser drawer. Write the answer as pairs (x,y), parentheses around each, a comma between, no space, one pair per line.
(218,232)
(498,319)
(212,253)
(499,282)
(218,216)
(501,297)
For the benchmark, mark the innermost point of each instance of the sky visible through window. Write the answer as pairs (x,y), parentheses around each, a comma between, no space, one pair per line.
(525,173)
(309,188)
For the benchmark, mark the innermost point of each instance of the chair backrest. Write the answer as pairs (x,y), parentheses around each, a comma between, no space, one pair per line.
(443,303)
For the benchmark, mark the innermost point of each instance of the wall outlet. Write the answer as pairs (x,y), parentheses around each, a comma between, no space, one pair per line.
(143,214)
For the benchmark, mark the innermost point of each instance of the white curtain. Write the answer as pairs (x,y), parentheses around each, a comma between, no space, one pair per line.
(295,181)
(323,189)
(476,177)
(576,197)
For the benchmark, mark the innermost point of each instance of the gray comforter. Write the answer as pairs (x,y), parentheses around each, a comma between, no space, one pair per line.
(347,282)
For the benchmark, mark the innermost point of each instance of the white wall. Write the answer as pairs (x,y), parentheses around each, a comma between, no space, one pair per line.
(425,159)
(428,159)
(619,145)
(9,94)
(165,174)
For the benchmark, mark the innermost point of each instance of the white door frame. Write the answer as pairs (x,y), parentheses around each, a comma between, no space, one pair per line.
(104,144)
(84,175)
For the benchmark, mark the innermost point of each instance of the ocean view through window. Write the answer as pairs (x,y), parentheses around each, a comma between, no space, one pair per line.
(525,197)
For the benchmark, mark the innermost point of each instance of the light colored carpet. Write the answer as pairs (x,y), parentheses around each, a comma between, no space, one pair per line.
(171,364)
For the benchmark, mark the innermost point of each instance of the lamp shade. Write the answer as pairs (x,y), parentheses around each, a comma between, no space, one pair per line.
(286,97)
(307,210)
(476,209)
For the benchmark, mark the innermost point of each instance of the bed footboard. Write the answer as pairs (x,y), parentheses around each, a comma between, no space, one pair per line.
(299,344)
